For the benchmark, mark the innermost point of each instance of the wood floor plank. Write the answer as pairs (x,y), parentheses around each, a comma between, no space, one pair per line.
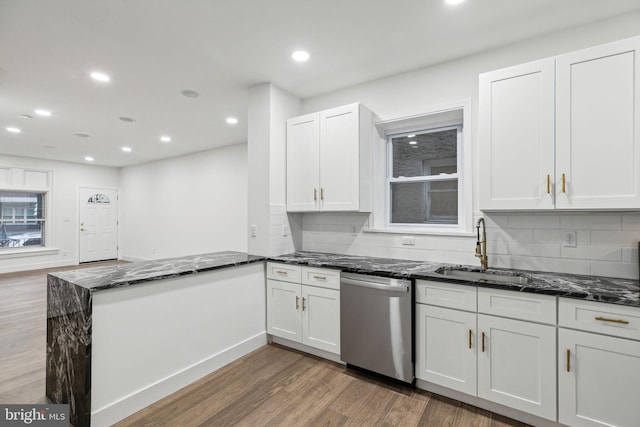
(468,415)
(440,411)
(406,411)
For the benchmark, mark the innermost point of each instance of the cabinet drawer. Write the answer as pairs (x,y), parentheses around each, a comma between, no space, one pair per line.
(517,305)
(322,277)
(600,317)
(284,272)
(450,295)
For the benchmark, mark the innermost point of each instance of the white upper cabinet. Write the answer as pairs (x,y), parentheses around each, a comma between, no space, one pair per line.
(598,126)
(329,160)
(562,133)
(517,137)
(303,162)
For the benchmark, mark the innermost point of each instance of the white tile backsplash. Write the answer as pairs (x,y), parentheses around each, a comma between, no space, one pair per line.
(607,241)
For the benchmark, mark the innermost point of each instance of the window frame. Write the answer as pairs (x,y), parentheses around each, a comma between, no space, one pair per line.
(454,114)
(424,178)
(44,220)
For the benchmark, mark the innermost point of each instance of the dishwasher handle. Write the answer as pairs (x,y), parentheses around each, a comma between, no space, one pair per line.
(391,288)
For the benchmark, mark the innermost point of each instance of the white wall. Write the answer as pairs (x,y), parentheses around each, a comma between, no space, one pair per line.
(607,243)
(63,213)
(185,205)
(269,108)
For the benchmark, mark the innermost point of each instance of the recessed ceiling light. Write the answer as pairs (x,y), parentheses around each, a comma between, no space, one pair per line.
(41,112)
(232,120)
(126,149)
(413,142)
(25,116)
(189,93)
(165,138)
(411,136)
(82,135)
(453,2)
(101,77)
(300,56)
(126,119)
(49,147)
(89,159)
(13,129)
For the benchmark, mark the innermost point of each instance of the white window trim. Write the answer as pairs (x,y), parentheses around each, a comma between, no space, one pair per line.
(441,116)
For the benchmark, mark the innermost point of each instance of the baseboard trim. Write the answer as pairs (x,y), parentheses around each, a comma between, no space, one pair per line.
(306,349)
(133,258)
(485,404)
(128,405)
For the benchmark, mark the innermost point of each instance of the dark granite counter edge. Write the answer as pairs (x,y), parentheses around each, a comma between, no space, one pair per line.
(533,287)
(176,274)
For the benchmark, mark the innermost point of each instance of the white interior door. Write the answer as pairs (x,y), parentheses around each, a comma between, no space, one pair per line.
(98,224)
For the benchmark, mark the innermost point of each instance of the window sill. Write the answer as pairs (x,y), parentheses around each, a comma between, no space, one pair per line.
(456,233)
(21,252)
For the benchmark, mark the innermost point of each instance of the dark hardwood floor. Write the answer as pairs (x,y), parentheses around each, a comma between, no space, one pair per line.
(273,386)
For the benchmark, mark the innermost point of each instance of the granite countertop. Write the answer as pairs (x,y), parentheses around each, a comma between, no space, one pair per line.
(100,278)
(593,288)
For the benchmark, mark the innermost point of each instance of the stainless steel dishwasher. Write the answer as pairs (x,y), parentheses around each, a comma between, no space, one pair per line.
(376,327)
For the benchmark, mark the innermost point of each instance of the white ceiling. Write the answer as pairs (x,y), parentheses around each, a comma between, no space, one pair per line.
(153,49)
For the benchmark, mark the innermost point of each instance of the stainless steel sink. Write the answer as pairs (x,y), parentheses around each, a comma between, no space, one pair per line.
(485,276)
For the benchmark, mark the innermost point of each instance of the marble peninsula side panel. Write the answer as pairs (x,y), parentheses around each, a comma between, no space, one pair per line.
(68,369)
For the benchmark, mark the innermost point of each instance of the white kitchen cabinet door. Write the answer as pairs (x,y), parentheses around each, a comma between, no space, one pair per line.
(284,310)
(598,127)
(517,365)
(303,155)
(339,158)
(598,383)
(446,347)
(321,318)
(517,137)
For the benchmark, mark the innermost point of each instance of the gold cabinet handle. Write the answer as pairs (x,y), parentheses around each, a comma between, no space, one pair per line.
(563,184)
(604,319)
(315,195)
(282,273)
(320,277)
(548,184)
(297,302)
(483,342)
(303,301)
(321,193)
(470,334)
(568,360)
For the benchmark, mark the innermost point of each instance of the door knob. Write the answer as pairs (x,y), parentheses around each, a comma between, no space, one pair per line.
(82,229)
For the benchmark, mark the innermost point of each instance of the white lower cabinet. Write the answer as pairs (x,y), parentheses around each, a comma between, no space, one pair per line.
(283,310)
(321,318)
(598,375)
(517,365)
(445,348)
(509,361)
(304,313)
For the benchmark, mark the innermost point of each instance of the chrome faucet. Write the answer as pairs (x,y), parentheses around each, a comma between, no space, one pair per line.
(481,245)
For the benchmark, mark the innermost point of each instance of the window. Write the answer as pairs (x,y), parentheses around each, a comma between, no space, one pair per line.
(423,176)
(22,221)
(420,166)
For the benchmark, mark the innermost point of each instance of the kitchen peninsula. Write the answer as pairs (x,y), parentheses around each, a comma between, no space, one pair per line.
(122,337)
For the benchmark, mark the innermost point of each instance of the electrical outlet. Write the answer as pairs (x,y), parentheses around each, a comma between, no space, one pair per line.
(408,241)
(354,230)
(285,230)
(569,239)
(254,230)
